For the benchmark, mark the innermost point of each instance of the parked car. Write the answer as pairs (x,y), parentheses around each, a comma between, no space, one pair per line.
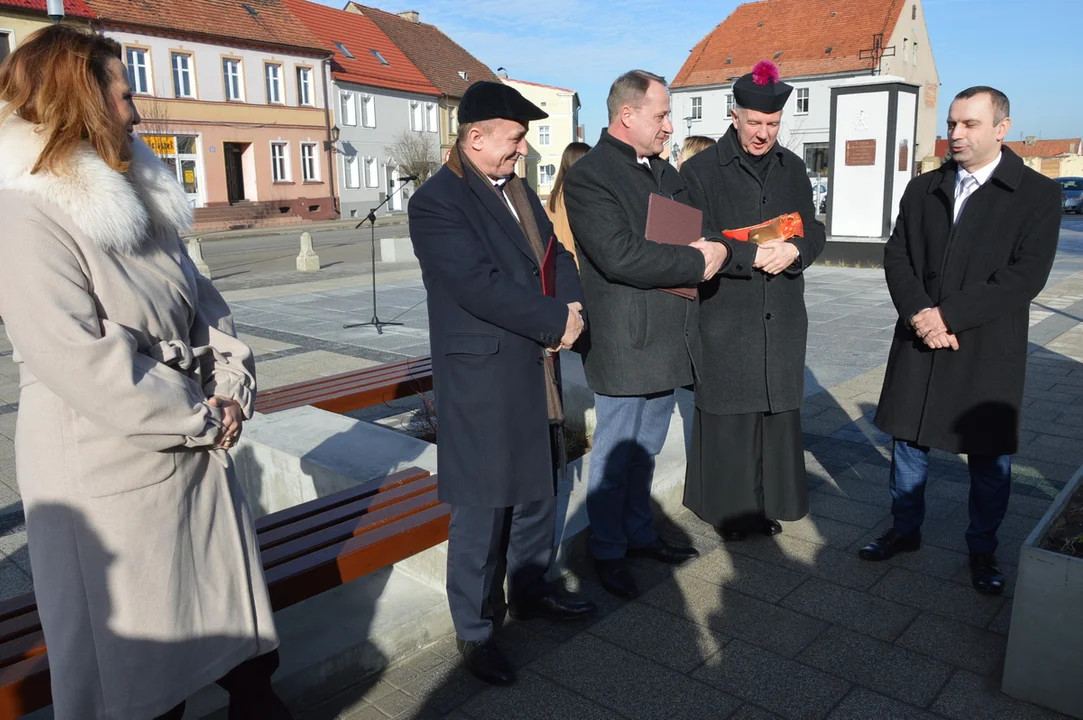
(1072,187)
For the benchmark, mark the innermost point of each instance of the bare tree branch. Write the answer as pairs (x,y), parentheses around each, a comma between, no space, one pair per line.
(415,153)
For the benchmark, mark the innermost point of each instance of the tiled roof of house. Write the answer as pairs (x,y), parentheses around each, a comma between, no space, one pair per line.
(265,22)
(439,57)
(794,34)
(1040,148)
(72,8)
(360,36)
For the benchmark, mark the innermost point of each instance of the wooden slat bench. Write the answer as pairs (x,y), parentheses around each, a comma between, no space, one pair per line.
(353,390)
(306,550)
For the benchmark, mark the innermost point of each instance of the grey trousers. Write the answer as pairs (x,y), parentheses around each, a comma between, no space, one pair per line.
(484,546)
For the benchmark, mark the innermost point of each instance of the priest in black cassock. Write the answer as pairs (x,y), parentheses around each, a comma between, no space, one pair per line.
(746,466)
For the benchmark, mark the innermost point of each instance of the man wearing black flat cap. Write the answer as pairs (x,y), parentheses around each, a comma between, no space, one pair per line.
(746,465)
(498,315)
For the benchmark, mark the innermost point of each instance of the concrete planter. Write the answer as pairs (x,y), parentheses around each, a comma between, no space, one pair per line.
(1044,661)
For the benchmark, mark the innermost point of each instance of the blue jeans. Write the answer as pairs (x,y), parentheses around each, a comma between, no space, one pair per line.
(990,487)
(630,432)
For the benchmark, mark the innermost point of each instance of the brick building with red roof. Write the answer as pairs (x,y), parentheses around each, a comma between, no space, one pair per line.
(378,97)
(816,45)
(233,98)
(449,67)
(19,19)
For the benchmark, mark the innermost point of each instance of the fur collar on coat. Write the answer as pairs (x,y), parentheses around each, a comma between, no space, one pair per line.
(119,212)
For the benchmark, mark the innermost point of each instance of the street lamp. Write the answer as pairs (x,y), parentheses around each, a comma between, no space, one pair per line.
(688,123)
(329,145)
(55,10)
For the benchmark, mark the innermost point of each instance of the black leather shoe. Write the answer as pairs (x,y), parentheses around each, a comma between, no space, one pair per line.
(486,662)
(552,606)
(663,551)
(732,532)
(888,544)
(770,527)
(985,574)
(616,578)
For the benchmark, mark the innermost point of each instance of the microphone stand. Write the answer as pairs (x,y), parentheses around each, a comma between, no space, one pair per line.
(376,322)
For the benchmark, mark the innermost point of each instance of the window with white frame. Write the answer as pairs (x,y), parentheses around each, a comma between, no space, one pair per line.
(543,134)
(417,119)
(906,50)
(348,108)
(305,95)
(802,101)
(432,117)
(5,44)
(183,83)
(914,55)
(272,75)
(368,110)
(233,78)
(353,171)
(280,162)
(730,103)
(310,162)
(138,69)
(452,121)
(372,177)
(697,108)
(545,175)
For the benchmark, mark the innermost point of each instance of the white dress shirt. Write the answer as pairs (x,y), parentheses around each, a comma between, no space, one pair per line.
(499,185)
(966,183)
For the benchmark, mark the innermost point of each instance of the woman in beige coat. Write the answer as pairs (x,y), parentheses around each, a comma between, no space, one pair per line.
(554,207)
(146,568)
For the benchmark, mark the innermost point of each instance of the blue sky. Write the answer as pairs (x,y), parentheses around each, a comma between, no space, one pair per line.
(1030,49)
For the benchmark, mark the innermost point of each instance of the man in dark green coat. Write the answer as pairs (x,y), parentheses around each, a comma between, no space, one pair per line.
(746,466)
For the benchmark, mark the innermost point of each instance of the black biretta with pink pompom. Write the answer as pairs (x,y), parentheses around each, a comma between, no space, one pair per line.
(761,89)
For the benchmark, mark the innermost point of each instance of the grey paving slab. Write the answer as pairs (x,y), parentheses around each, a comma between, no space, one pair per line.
(14,580)
(845,510)
(860,611)
(824,531)
(731,613)
(745,574)
(1002,622)
(862,704)
(822,561)
(973,697)
(629,684)
(931,594)
(670,640)
(971,648)
(785,687)
(888,669)
(535,698)
(751,712)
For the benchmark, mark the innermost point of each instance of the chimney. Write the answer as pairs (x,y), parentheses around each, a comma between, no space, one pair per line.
(1030,141)
(411,15)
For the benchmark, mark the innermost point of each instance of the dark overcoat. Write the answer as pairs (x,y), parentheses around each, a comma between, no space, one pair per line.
(982,273)
(489,324)
(641,340)
(753,326)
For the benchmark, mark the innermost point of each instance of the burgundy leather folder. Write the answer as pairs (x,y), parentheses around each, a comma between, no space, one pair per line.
(672,223)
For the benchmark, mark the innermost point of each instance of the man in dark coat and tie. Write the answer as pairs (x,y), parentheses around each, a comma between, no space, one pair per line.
(972,246)
(746,465)
(498,315)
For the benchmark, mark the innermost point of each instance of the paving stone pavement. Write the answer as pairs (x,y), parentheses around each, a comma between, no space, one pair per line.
(787,627)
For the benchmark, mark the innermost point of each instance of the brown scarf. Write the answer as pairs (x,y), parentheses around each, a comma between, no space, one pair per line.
(515,192)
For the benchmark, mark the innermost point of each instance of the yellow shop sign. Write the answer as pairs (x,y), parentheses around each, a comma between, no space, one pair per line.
(161,144)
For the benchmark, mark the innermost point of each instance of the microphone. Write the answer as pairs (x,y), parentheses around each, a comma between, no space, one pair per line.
(407,178)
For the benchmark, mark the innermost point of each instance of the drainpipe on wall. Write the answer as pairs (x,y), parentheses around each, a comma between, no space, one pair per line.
(331,164)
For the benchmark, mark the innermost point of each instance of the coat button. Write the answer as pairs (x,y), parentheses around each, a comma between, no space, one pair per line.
(535,270)
(740,267)
(768,316)
(763,201)
(541,361)
(931,276)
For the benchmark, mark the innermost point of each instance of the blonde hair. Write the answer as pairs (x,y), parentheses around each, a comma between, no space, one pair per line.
(59,79)
(695,144)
